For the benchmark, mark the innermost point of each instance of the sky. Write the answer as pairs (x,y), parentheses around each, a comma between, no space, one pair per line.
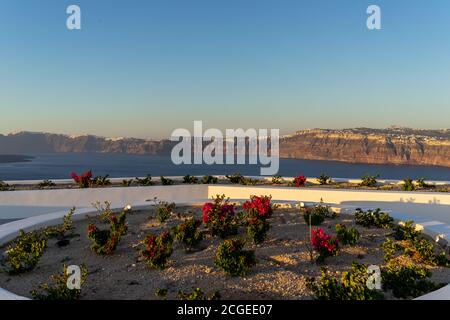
(142,68)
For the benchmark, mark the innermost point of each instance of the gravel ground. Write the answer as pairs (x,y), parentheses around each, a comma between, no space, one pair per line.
(282,267)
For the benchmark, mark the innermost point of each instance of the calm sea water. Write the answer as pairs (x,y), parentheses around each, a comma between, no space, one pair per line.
(59,166)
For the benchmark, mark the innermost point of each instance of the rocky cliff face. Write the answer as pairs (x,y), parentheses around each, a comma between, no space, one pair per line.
(375,146)
(384,146)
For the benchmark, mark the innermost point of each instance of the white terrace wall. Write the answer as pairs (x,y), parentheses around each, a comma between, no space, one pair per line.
(21,204)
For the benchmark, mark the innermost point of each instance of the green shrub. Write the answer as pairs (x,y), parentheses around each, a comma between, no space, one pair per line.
(324,179)
(209,180)
(408,185)
(257,229)
(197,294)
(102,180)
(369,180)
(157,249)
(60,290)
(405,231)
(166,181)
(190,179)
(219,217)
(347,236)
(24,253)
(351,286)
(316,215)
(46,184)
(390,248)
(127,183)
(277,179)
(233,259)
(60,232)
(106,241)
(164,210)
(188,234)
(371,218)
(422,184)
(4,186)
(147,181)
(407,281)
(235,178)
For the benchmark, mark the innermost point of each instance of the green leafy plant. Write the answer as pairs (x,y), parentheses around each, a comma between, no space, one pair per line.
(161,292)
(235,178)
(315,215)
(369,180)
(277,179)
(60,232)
(390,248)
(4,186)
(423,185)
(104,210)
(233,259)
(209,180)
(188,234)
(164,210)
(46,184)
(256,212)
(324,179)
(24,253)
(102,180)
(60,290)
(408,185)
(190,179)
(407,281)
(145,182)
(347,236)
(373,218)
(405,231)
(197,294)
(219,217)
(127,183)
(157,249)
(105,241)
(166,181)
(351,286)
(325,244)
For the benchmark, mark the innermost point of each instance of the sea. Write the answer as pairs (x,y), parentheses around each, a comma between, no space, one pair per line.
(59,166)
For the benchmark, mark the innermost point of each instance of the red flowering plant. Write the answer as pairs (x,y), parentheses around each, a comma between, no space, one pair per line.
(300,181)
(157,249)
(256,212)
(325,244)
(219,216)
(106,241)
(83,181)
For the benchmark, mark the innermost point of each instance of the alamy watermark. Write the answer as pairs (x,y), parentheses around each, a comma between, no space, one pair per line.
(235,147)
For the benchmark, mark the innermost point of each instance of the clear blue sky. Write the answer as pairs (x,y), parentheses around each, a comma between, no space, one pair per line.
(144,68)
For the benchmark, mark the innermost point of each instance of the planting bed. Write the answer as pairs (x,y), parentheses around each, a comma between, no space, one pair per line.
(283,260)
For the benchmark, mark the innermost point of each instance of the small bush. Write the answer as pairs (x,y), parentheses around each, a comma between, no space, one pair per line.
(326,245)
(188,234)
(277,179)
(60,290)
(145,182)
(423,185)
(190,179)
(316,215)
(106,241)
(324,179)
(219,217)
(157,249)
(233,259)
(408,185)
(390,249)
(369,180)
(351,286)
(102,181)
(127,183)
(405,231)
(235,178)
(164,210)
(209,180)
(197,294)
(407,281)
(347,236)
(372,218)
(300,181)
(24,253)
(46,184)
(256,213)
(83,181)
(60,232)
(166,181)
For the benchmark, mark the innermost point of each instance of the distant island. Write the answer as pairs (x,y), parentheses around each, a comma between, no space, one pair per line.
(395,145)
(10,158)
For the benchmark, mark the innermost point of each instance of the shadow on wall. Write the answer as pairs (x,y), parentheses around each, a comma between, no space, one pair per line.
(432,210)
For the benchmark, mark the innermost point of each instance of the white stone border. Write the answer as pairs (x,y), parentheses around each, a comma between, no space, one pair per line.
(11,230)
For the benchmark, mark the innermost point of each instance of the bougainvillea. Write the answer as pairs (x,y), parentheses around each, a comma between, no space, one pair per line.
(106,241)
(157,249)
(326,245)
(300,181)
(84,181)
(256,212)
(188,234)
(219,217)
